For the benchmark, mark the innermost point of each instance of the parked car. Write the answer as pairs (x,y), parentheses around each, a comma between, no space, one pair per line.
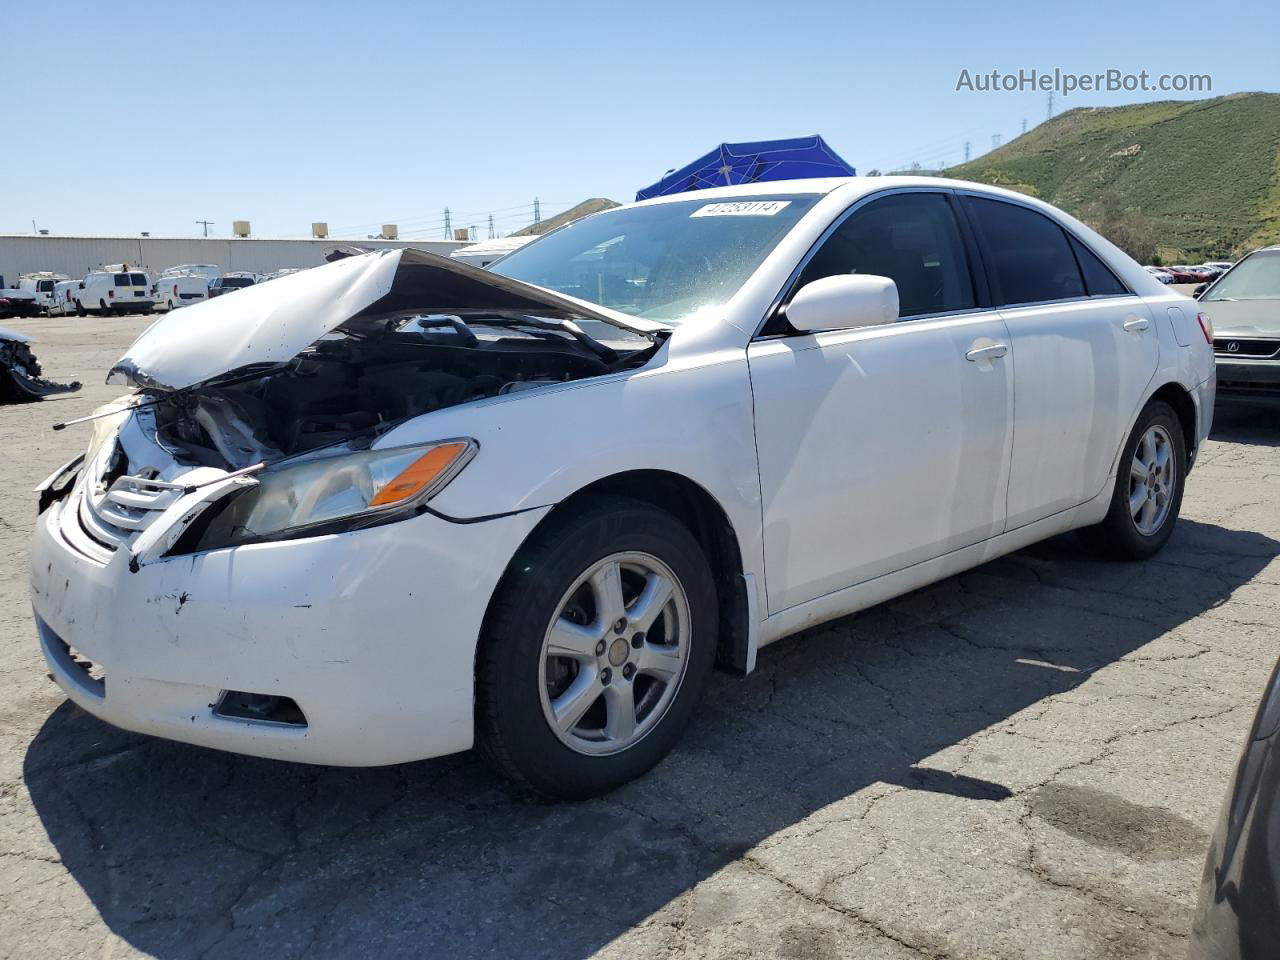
(1244,305)
(41,285)
(114,289)
(63,303)
(184,285)
(1164,276)
(16,302)
(1238,915)
(1222,265)
(20,374)
(396,505)
(1184,273)
(231,281)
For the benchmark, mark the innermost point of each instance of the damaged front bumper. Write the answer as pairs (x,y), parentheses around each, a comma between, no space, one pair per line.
(20,379)
(371,634)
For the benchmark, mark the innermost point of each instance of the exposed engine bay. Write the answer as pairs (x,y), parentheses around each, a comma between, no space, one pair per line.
(353,386)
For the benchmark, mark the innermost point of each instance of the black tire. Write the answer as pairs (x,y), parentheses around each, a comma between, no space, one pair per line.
(102,305)
(511,728)
(1118,536)
(80,310)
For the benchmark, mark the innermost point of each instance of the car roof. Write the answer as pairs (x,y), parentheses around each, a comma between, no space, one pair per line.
(850,186)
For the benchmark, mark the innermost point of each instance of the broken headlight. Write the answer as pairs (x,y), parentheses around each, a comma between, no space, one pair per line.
(337,493)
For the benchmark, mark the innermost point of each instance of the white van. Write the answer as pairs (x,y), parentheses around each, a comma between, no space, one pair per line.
(114,289)
(41,284)
(184,285)
(64,298)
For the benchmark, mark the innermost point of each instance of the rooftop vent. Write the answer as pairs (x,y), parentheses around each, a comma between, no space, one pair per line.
(320,231)
(240,228)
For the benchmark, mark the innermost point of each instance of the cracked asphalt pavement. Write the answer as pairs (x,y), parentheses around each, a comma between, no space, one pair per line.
(1022,761)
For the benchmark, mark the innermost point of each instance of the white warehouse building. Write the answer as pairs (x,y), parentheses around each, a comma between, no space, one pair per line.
(76,256)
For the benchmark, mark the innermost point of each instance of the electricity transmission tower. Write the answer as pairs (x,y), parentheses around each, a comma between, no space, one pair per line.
(448,225)
(537,212)
(995,140)
(1049,112)
(491,226)
(966,151)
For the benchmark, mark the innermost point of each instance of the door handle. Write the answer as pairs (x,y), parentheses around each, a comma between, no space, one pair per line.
(1136,324)
(992,351)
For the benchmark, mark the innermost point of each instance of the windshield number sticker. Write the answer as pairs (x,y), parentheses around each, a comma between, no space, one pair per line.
(741,208)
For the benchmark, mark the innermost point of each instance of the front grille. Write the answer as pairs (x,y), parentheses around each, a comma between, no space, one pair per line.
(112,508)
(1245,347)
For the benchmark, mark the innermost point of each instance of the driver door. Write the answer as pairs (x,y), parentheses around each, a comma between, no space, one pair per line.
(885,446)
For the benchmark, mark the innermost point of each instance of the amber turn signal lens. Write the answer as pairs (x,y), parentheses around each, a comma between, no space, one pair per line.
(419,475)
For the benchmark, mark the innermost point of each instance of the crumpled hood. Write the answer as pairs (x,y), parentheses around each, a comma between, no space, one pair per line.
(1243,318)
(273,322)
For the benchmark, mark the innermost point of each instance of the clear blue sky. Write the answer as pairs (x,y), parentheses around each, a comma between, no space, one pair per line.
(149,116)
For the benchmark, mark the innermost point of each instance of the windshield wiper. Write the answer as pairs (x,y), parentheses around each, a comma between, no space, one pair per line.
(607,354)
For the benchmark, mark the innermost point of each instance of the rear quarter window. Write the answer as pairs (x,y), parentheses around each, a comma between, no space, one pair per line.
(122,279)
(139,279)
(1099,281)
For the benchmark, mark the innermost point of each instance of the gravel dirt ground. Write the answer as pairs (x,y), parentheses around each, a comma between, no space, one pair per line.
(1022,761)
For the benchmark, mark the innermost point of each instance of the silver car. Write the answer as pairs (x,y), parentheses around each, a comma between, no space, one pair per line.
(1244,305)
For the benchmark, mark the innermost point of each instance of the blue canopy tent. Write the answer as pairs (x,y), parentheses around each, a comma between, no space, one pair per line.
(734,163)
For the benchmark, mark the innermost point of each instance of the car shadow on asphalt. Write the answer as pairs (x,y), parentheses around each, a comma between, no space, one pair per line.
(188,852)
(1252,423)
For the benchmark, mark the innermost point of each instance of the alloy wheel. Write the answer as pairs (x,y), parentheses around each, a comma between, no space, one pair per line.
(615,653)
(1152,480)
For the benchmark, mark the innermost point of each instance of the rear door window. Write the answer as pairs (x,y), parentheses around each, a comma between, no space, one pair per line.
(122,279)
(1028,255)
(139,280)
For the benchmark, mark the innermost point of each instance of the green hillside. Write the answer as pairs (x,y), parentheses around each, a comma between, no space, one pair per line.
(1201,178)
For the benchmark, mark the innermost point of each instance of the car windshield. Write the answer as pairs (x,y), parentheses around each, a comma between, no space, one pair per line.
(237,281)
(1254,278)
(662,262)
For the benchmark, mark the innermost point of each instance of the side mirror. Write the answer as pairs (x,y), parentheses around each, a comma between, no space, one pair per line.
(844,301)
(1200,289)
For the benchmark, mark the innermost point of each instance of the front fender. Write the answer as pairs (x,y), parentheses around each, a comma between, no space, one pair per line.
(691,417)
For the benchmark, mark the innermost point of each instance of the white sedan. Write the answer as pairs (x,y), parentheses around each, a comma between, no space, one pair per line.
(396,506)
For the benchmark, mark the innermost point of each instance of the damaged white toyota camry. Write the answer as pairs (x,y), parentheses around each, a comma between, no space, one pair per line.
(394,506)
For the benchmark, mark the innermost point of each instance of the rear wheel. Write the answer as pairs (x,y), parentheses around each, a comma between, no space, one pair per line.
(102,305)
(595,650)
(1148,491)
(80,310)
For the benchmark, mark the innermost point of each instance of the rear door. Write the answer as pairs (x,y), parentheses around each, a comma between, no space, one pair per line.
(1086,350)
(885,446)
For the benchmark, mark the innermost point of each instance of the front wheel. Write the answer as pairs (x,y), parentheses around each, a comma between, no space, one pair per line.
(1148,491)
(595,650)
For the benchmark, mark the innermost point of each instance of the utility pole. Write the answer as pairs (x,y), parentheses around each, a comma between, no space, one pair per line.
(1049,113)
(206,224)
(1024,124)
(966,151)
(448,225)
(491,226)
(471,233)
(537,212)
